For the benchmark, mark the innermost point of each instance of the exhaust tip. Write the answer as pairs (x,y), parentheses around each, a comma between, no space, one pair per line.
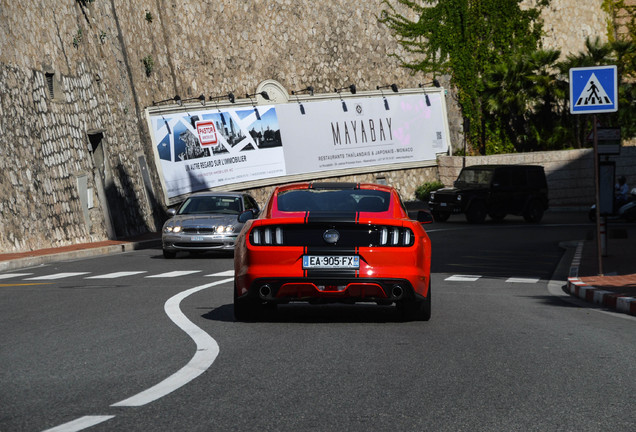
(265,292)
(397,292)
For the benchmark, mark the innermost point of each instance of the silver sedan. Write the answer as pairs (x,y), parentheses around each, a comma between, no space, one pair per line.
(207,221)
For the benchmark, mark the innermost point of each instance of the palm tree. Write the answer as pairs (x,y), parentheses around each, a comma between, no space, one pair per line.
(522,98)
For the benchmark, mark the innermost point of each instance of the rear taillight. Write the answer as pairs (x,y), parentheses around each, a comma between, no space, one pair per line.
(267,236)
(395,236)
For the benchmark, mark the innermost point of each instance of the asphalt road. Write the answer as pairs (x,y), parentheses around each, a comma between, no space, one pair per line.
(500,352)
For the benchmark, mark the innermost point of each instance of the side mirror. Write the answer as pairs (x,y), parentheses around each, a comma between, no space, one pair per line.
(424,217)
(245,216)
(171,212)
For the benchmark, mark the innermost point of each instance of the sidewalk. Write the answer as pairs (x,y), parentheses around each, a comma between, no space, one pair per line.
(615,289)
(10,261)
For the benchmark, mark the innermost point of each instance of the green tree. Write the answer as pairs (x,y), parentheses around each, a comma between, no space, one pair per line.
(523,101)
(461,38)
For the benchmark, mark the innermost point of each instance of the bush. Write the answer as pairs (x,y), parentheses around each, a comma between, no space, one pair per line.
(423,192)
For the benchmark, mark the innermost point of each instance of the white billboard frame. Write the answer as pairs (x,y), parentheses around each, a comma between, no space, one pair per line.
(271,143)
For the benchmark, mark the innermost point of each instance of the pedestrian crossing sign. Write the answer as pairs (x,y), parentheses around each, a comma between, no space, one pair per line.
(593,90)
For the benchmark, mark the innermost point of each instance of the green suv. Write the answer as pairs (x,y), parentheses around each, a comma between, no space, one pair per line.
(495,191)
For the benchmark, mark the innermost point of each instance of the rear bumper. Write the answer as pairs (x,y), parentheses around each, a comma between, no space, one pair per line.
(332,290)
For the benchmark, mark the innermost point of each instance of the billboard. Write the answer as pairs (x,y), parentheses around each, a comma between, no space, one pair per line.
(205,148)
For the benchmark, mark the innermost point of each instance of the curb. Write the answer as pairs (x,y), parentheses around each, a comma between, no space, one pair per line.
(76,254)
(578,288)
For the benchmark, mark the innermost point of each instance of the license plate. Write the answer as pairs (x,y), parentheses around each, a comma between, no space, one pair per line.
(331,262)
(197,238)
(443,204)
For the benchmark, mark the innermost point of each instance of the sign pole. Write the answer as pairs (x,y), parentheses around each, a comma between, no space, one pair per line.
(599,241)
(595,90)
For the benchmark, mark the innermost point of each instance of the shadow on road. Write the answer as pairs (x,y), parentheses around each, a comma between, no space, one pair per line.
(318,314)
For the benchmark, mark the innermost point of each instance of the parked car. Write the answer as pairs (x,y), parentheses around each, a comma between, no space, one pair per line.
(207,221)
(493,190)
(333,242)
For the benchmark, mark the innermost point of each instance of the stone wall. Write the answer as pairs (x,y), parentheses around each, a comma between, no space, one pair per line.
(570,173)
(76,159)
(568,23)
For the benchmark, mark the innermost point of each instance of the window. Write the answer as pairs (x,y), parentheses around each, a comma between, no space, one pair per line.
(50,81)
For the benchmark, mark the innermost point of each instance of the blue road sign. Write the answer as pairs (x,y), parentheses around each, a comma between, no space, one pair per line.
(593,90)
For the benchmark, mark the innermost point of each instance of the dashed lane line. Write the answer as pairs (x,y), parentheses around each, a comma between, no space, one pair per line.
(173,274)
(14,275)
(463,278)
(523,280)
(474,278)
(227,273)
(115,275)
(57,276)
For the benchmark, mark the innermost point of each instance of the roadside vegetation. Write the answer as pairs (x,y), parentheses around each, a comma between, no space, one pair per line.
(513,94)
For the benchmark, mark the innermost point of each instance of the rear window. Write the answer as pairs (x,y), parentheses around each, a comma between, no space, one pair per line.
(334,201)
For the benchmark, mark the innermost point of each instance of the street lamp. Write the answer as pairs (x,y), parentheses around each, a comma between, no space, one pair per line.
(436,83)
(352,90)
(263,94)
(201,98)
(393,87)
(308,89)
(176,99)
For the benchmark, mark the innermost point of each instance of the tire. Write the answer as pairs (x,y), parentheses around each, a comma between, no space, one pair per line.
(246,309)
(533,212)
(441,216)
(477,212)
(169,254)
(415,310)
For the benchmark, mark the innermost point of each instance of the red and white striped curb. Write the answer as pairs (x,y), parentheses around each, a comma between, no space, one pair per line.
(580,289)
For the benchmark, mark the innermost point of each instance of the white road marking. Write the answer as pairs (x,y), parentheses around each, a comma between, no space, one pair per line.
(12,275)
(227,273)
(206,353)
(523,280)
(57,276)
(174,274)
(115,275)
(463,278)
(80,423)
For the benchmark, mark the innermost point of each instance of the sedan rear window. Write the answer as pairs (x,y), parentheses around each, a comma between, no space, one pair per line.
(334,201)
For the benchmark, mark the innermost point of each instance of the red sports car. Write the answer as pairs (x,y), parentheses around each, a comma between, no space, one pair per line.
(333,242)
